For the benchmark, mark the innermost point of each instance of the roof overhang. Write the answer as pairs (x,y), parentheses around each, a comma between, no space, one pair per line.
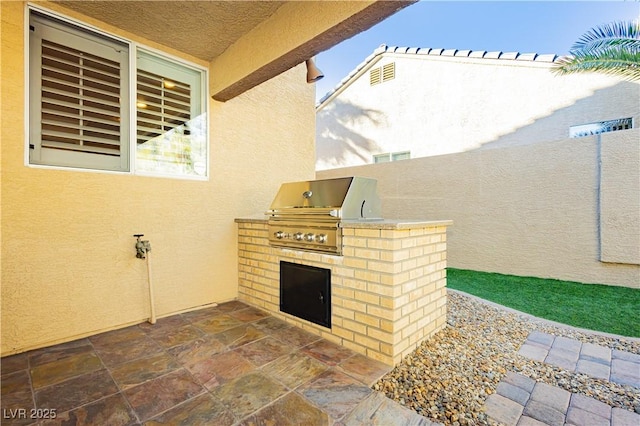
(245,42)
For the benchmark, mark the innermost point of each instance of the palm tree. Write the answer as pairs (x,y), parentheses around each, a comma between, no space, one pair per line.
(611,49)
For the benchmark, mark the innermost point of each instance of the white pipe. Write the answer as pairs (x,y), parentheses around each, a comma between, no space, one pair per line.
(152,319)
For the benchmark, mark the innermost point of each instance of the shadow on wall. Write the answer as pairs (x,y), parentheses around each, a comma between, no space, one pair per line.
(555,125)
(336,141)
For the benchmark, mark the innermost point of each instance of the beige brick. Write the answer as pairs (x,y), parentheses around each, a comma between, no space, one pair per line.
(367,253)
(331,337)
(386,348)
(386,267)
(386,325)
(409,330)
(369,298)
(417,231)
(416,315)
(357,242)
(400,255)
(368,233)
(355,326)
(408,242)
(355,284)
(381,312)
(366,275)
(342,292)
(348,231)
(342,312)
(355,347)
(367,319)
(385,359)
(348,251)
(416,251)
(343,272)
(393,234)
(401,301)
(367,341)
(354,262)
(401,322)
(387,302)
(409,308)
(354,305)
(409,286)
(401,277)
(383,290)
(384,244)
(344,333)
(380,335)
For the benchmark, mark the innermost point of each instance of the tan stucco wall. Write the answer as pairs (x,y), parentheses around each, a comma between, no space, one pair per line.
(530,210)
(620,198)
(68,258)
(440,105)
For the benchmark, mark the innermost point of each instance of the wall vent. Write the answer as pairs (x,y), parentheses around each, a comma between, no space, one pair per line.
(381,74)
(389,71)
(374,76)
(600,127)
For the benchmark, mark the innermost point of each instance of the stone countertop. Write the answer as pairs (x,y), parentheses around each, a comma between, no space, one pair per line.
(394,223)
(371,224)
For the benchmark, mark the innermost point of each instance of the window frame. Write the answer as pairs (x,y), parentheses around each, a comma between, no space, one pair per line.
(130,128)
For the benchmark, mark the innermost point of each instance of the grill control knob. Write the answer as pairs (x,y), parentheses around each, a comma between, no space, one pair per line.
(298,236)
(280,235)
(310,237)
(321,238)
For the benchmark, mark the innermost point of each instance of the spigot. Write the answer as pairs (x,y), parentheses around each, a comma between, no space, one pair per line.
(142,247)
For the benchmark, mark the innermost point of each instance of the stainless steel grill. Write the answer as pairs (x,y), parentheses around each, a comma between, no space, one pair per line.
(307,215)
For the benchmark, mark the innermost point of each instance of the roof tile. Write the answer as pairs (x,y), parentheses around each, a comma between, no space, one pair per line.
(383,48)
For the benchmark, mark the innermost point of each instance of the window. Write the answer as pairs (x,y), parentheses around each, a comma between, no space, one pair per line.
(381,158)
(171,127)
(394,156)
(600,127)
(81,101)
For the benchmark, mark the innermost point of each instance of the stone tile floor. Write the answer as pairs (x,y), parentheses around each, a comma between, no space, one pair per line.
(520,401)
(227,365)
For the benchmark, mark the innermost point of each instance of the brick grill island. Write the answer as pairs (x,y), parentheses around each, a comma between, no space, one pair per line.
(388,290)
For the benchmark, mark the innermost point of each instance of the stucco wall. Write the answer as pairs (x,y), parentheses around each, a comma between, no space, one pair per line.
(440,104)
(68,258)
(531,210)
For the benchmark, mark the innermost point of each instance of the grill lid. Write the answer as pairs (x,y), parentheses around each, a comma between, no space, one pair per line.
(346,198)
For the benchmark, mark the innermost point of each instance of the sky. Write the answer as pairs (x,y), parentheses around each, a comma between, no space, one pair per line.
(508,26)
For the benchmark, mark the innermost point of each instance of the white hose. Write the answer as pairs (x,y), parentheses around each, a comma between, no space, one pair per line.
(152,319)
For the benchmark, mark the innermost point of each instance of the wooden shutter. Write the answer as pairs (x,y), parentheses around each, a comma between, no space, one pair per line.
(80,101)
(78,81)
(162,104)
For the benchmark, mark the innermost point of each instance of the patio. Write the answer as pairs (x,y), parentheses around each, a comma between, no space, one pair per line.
(230,364)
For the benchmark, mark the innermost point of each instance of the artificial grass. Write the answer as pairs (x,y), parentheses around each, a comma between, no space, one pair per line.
(592,306)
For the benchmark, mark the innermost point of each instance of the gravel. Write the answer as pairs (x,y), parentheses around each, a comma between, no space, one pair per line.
(448,377)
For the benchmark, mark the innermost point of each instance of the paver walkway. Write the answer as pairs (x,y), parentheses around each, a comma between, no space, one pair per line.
(520,401)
